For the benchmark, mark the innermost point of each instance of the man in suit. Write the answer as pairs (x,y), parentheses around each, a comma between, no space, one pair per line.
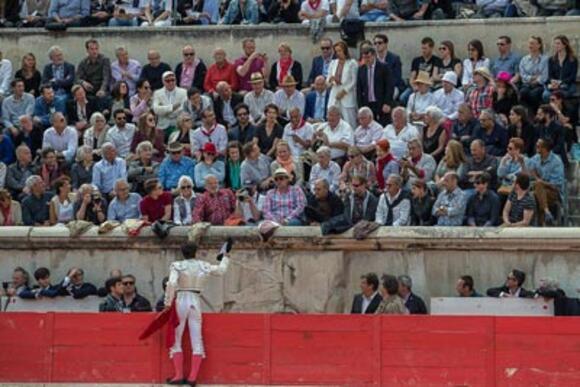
(225,104)
(413,302)
(392,60)
(512,287)
(369,300)
(378,93)
(320,63)
(58,73)
(191,72)
(361,204)
(168,103)
(316,102)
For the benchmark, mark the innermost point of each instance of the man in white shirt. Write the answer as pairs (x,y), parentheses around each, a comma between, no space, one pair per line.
(121,135)
(258,98)
(209,131)
(61,137)
(298,133)
(400,132)
(5,76)
(448,98)
(368,132)
(342,9)
(287,97)
(168,103)
(312,10)
(336,134)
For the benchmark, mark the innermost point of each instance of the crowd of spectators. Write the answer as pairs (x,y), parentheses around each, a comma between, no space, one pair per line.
(394,295)
(119,291)
(478,142)
(57,14)
(390,295)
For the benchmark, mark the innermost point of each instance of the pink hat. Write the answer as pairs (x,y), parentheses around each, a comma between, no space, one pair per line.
(503,76)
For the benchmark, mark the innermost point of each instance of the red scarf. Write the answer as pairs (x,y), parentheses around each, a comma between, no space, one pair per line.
(284,66)
(300,125)
(381,163)
(314,4)
(8,221)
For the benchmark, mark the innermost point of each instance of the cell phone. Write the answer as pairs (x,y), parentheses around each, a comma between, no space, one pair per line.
(5,285)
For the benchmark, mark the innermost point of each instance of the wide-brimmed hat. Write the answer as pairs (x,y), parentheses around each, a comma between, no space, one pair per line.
(484,72)
(210,148)
(167,74)
(288,81)
(256,77)
(281,172)
(424,78)
(175,147)
(450,77)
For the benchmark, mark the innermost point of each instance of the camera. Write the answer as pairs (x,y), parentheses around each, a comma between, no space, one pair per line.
(243,195)
(5,285)
(96,198)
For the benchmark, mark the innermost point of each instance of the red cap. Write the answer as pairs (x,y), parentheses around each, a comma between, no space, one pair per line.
(209,147)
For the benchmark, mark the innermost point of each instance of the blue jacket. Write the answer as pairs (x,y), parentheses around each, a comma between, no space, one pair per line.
(43,111)
(495,142)
(316,69)
(170,171)
(394,62)
(7,155)
(310,104)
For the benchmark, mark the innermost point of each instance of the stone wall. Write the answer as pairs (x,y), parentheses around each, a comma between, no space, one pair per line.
(299,270)
(404,38)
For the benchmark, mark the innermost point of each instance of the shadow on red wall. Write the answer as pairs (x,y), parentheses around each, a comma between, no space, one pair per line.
(308,349)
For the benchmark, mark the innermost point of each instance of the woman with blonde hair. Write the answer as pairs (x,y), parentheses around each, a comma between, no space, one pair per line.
(453,161)
(61,207)
(285,66)
(29,74)
(284,160)
(82,170)
(183,133)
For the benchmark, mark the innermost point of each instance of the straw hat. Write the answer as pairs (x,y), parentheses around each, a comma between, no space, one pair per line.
(484,72)
(423,77)
(281,172)
(256,77)
(288,81)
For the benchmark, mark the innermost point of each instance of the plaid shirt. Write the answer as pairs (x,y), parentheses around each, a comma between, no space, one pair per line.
(284,206)
(214,208)
(480,98)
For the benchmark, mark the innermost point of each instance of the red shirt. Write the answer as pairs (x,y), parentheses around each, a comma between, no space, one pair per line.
(155,209)
(215,75)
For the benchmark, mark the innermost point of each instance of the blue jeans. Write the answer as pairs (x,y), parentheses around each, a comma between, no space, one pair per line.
(114,22)
(567,92)
(294,222)
(375,15)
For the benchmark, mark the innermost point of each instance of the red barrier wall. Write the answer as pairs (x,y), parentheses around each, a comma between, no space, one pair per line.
(303,349)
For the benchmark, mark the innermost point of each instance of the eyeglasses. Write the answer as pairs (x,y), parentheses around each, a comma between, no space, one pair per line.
(128,283)
(325,48)
(186,187)
(188,54)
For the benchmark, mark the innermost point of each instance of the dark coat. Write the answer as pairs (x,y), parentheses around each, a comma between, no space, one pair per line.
(64,84)
(310,104)
(415,304)
(198,78)
(295,71)
(71,111)
(357,303)
(140,304)
(495,292)
(218,104)
(383,87)
(369,213)
(78,292)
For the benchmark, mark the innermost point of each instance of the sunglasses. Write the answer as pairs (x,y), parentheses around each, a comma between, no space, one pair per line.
(188,54)
(279,178)
(128,283)
(186,187)
(175,152)
(378,43)
(442,48)
(325,48)
(170,80)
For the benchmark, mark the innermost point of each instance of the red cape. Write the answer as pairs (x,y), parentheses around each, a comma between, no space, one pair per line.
(167,316)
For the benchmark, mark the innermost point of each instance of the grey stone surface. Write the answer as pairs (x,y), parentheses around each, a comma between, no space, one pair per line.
(299,270)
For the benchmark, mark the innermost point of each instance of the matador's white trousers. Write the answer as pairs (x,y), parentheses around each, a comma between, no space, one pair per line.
(188,305)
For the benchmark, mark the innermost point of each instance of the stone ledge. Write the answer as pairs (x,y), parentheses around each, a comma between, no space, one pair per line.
(306,238)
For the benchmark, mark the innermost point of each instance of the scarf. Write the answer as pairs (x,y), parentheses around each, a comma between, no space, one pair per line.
(208,132)
(48,175)
(314,4)
(300,124)
(288,164)
(381,163)
(284,66)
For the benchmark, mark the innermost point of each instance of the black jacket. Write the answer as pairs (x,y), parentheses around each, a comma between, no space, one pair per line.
(383,87)
(112,304)
(218,104)
(415,304)
(495,292)
(314,213)
(198,77)
(79,292)
(72,116)
(357,303)
(139,304)
(295,71)
(369,212)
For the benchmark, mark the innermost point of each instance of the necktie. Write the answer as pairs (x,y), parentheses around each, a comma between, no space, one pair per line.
(371,73)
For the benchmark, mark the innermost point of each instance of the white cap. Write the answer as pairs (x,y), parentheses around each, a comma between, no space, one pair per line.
(167,74)
(450,77)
